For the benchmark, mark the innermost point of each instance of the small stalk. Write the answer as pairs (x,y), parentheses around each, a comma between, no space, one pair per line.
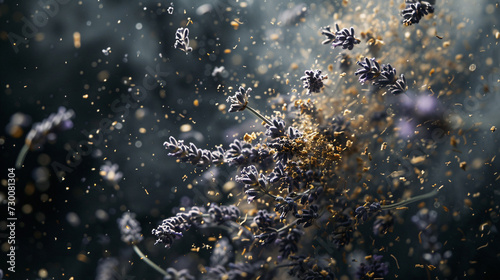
(22,156)
(259,115)
(410,200)
(148,261)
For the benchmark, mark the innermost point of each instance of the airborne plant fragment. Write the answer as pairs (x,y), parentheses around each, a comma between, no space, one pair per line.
(182,40)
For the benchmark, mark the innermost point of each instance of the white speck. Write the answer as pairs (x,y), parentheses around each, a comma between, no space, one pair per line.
(138,26)
(106,51)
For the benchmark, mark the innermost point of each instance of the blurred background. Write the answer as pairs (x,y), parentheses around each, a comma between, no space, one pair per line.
(114,64)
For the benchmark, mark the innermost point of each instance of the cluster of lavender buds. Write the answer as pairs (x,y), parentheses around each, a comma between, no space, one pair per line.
(182,40)
(192,154)
(44,130)
(415,10)
(382,77)
(109,172)
(363,212)
(301,177)
(130,228)
(59,121)
(341,38)
(173,227)
(239,101)
(374,269)
(305,268)
(313,81)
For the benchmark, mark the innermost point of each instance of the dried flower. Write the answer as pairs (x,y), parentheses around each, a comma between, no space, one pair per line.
(374,269)
(182,40)
(110,173)
(399,86)
(130,228)
(345,38)
(240,100)
(313,81)
(370,70)
(415,10)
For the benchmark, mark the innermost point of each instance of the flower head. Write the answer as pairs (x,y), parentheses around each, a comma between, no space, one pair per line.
(239,100)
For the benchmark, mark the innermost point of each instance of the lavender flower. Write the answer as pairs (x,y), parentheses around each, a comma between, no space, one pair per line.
(240,100)
(330,36)
(264,220)
(130,228)
(288,242)
(364,212)
(313,81)
(182,40)
(192,154)
(415,10)
(58,121)
(344,38)
(285,205)
(277,129)
(374,269)
(221,214)
(110,173)
(38,134)
(307,216)
(173,227)
(370,70)
(307,269)
(399,86)
(387,76)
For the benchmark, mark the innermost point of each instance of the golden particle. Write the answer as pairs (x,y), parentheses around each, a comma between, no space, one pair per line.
(235,25)
(463,165)
(76,40)
(493,129)
(196,103)
(186,127)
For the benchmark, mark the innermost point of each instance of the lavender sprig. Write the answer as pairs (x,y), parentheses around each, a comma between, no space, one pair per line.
(37,136)
(239,102)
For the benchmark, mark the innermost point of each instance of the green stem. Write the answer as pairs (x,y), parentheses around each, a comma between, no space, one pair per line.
(259,115)
(22,156)
(410,200)
(148,261)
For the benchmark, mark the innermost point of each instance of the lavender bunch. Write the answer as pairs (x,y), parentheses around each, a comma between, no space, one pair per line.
(415,10)
(192,154)
(384,76)
(313,81)
(38,134)
(373,269)
(341,38)
(173,227)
